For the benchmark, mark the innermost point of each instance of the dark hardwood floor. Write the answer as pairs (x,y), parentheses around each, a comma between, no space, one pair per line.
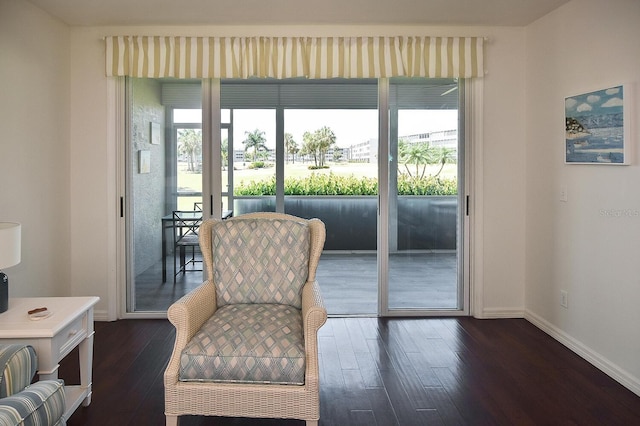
(440,371)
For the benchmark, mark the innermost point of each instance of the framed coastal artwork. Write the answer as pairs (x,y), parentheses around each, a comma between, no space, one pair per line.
(597,127)
(154,133)
(144,161)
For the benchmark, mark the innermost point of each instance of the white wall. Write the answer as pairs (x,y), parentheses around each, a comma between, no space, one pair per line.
(94,213)
(585,45)
(34,145)
(503,171)
(93,259)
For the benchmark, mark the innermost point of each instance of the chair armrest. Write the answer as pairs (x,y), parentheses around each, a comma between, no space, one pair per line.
(314,315)
(187,315)
(18,364)
(42,403)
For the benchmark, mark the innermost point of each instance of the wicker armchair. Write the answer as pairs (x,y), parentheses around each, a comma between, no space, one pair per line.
(246,339)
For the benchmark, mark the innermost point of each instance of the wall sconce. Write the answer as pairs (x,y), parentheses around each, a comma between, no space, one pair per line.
(9,256)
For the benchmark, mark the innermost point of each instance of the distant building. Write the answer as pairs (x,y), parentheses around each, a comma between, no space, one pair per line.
(238,155)
(364,152)
(367,152)
(441,139)
(337,153)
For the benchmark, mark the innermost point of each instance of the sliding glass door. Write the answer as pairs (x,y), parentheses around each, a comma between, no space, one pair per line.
(391,200)
(425,198)
(164,186)
(253,162)
(328,175)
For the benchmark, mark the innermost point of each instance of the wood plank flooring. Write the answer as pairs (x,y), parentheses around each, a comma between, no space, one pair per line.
(435,371)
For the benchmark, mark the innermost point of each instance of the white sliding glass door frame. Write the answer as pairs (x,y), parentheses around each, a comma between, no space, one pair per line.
(383,197)
(388,131)
(212,194)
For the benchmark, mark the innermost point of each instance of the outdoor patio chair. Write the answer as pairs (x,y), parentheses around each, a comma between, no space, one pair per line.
(246,339)
(185,236)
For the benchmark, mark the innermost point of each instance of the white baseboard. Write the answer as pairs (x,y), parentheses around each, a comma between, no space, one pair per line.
(597,360)
(496,313)
(100,315)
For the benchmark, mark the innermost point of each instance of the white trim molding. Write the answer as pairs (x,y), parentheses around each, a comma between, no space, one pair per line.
(501,313)
(599,361)
(474,129)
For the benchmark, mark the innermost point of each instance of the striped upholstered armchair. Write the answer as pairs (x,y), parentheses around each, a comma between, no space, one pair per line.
(246,339)
(23,403)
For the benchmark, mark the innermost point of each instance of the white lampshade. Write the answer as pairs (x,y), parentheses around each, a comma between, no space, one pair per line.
(9,244)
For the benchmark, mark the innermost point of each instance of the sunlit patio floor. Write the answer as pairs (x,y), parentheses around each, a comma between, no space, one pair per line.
(348,283)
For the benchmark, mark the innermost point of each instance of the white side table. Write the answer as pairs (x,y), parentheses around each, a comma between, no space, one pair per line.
(54,337)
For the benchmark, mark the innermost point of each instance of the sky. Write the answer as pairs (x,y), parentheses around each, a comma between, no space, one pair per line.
(350,126)
(606,101)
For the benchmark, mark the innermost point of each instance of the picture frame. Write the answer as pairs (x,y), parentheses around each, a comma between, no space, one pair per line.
(154,133)
(144,161)
(598,126)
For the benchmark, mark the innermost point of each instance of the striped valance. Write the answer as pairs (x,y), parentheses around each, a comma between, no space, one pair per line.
(287,57)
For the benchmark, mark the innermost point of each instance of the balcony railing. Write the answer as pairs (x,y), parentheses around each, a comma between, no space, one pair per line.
(423,222)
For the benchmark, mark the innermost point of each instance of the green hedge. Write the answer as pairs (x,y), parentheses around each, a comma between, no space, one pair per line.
(426,186)
(330,184)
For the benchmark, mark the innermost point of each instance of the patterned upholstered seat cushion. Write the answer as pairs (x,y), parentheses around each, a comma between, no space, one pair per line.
(247,343)
(260,261)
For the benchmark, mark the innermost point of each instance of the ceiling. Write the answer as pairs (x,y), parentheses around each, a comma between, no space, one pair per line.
(298,12)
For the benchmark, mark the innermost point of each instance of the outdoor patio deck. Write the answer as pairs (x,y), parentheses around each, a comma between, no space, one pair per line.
(348,283)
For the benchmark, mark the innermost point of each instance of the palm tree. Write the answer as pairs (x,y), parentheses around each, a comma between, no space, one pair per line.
(190,144)
(326,139)
(224,153)
(255,140)
(290,146)
(310,146)
(447,155)
(419,154)
(318,143)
